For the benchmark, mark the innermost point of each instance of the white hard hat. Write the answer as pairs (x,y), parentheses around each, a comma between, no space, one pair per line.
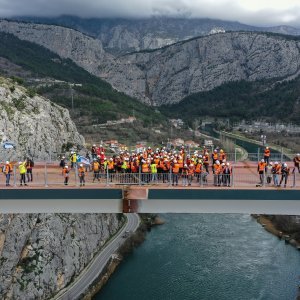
(185,165)
(20,162)
(217,162)
(276,162)
(262,160)
(7,162)
(81,165)
(227,164)
(285,165)
(66,167)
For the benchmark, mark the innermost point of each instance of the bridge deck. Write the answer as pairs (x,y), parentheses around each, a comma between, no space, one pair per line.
(128,193)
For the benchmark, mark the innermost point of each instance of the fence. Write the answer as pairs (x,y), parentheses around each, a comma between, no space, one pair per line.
(49,175)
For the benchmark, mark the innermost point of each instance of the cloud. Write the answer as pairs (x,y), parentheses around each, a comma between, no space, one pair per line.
(256,12)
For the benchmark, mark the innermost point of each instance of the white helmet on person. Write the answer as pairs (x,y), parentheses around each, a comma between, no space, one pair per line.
(262,160)
(81,165)
(7,162)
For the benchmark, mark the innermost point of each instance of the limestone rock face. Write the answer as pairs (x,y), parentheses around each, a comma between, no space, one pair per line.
(42,258)
(36,125)
(167,75)
(65,42)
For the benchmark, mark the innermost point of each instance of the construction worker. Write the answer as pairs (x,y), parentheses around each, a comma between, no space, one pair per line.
(62,162)
(206,161)
(7,170)
(191,173)
(22,170)
(153,168)
(81,174)
(175,172)
(261,168)
(184,175)
(275,172)
(65,173)
(96,168)
(269,168)
(267,154)
(285,171)
(297,162)
(217,170)
(222,156)
(73,159)
(145,171)
(214,157)
(29,166)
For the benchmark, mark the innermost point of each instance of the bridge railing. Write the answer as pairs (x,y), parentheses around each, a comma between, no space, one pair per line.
(51,175)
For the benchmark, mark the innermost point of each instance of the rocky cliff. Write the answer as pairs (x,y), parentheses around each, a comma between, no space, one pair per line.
(36,125)
(167,75)
(41,253)
(87,52)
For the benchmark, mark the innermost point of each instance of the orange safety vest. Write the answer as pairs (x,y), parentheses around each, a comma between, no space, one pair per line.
(96,166)
(110,165)
(175,168)
(198,168)
(180,162)
(81,171)
(66,172)
(215,156)
(191,170)
(261,166)
(8,168)
(217,169)
(145,168)
(267,152)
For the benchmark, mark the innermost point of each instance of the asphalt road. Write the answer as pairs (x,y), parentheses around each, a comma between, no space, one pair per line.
(92,272)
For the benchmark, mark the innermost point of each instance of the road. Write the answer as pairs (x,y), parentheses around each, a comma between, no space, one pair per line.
(95,268)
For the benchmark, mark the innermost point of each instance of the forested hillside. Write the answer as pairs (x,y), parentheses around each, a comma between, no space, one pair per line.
(94,100)
(242,100)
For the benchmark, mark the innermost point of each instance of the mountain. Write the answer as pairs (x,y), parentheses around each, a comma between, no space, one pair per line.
(94,100)
(127,35)
(37,126)
(40,254)
(171,73)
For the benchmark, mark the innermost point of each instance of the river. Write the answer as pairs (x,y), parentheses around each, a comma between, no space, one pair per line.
(207,256)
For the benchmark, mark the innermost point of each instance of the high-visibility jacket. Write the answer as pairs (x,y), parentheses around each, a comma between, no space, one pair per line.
(145,168)
(81,171)
(96,166)
(214,156)
(166,165)
(65,172)
(261,166)
(198,168)
(185,171)
(7,169)
(205,159)
(267,152)
(191,170)
(276,169)
(124,165)
(222,156)
(217,169)
(133,166)
(153,168)
(175,168)
(180,162)
(22,168)
(111,165)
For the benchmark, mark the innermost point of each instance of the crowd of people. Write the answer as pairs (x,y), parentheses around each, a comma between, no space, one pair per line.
(157,165)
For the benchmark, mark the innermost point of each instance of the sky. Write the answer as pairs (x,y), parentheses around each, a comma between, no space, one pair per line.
(252,12)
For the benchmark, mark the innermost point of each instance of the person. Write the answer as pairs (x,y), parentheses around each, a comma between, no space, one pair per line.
(285,171)
(184,175)
(7,170)
(81,174)
(267,154)
(217,168)
(73,159)
(62,162)
(153,168)
(269,169)
(261,171)
(175,171)
(96,169)
(22,170)
(297,162)
(275,172)
(227,172)
(29,166)
(65,173)
(191,173)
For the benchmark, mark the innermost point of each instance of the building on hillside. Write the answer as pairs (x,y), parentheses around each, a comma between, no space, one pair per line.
(177,142)
(191,144)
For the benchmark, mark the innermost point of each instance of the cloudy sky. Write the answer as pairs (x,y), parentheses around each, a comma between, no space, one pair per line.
(254,12)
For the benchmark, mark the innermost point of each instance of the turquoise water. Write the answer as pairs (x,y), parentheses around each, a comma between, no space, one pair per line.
(205,256)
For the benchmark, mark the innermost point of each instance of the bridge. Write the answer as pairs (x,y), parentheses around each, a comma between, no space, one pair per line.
(137,192)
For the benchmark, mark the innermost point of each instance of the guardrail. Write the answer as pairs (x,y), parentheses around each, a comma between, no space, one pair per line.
(50,175)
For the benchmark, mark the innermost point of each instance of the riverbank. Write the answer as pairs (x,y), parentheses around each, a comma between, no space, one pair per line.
(133,241)
(271,227)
